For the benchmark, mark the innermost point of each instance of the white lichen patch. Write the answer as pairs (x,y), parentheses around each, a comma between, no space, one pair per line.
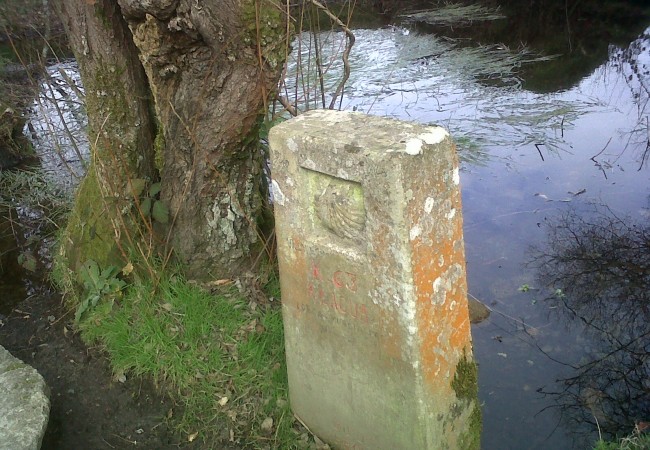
(428,205)
(292,145)
(456,176)
(413,146)
(276,192)
(435,135)
(450,215)
(437,284)
(415,232)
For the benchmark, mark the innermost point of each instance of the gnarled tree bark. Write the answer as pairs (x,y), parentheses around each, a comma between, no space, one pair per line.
(175,91)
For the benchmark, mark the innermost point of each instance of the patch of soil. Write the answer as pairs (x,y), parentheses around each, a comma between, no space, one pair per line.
(89,408)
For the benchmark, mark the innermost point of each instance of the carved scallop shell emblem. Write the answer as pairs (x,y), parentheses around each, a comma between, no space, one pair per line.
(341,209)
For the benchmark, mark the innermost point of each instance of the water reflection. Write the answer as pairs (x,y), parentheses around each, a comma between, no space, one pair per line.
(57,125)
(633,65)
(597,267)
(34,200)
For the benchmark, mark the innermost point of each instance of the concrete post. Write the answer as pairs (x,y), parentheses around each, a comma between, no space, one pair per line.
(372,270)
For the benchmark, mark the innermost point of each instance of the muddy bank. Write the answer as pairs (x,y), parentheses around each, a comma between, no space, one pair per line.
(90,409)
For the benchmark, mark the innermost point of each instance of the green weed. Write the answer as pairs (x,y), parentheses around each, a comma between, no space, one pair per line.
(636,441)
(98,285)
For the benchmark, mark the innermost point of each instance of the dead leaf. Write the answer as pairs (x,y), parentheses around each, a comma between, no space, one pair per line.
(192,436)
(167,306)
(267,425)
(533,331)
(222,401)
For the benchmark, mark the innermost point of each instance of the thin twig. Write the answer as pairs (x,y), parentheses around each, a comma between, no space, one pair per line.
(593,158)
(346,52)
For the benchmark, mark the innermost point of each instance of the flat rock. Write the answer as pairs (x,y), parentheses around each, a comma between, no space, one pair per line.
(478,312)
(24,404)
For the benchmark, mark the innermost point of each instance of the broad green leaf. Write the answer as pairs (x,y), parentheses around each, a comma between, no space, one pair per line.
(154,189)
(159,212)
(145,205)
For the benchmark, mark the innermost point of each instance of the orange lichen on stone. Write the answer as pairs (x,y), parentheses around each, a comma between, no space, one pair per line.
(442,313)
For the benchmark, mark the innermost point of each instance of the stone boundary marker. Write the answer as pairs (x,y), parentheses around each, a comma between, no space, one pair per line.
(24,404)
(372,272)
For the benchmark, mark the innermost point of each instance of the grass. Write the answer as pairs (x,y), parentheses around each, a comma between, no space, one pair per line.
(636,441)
(219,355)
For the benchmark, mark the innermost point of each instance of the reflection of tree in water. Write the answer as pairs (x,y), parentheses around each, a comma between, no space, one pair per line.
(633,63)
(599,271)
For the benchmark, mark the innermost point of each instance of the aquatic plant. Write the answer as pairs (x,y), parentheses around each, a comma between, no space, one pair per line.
(454,14)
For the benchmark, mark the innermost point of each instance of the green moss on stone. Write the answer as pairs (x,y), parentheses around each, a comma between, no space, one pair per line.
(465,385)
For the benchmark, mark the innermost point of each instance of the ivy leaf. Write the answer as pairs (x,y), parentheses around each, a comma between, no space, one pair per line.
(154,189)
(145,205)
(159,212)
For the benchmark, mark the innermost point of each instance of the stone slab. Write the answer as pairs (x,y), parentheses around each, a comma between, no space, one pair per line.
(24,404)
(372,272)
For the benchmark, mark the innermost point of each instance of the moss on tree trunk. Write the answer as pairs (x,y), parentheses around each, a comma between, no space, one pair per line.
(175,90)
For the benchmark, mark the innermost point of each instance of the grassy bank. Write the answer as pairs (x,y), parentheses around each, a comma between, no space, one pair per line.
(219,355)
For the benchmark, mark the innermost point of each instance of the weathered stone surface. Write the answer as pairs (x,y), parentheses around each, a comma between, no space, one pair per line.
(24,404)
(372,269)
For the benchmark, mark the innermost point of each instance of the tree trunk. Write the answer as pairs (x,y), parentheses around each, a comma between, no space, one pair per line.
(121,132)
(210,67)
